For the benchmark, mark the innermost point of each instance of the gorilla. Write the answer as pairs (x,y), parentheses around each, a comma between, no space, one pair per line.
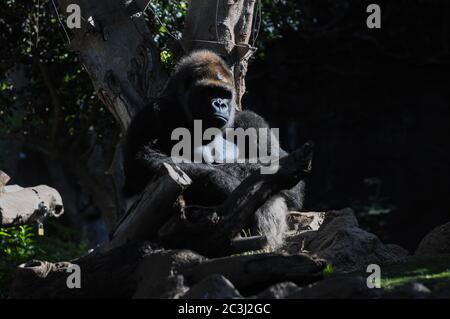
(201,87)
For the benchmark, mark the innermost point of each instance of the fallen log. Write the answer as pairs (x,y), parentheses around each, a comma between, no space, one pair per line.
(152,209)
(19,206)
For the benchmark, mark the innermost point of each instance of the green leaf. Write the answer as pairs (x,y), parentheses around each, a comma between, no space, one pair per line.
(328,270)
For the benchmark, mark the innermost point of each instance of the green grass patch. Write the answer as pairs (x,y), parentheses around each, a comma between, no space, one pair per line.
(430,271)
(427,270)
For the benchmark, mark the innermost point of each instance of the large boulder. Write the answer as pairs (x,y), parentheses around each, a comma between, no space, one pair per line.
(340,241)
(437,242)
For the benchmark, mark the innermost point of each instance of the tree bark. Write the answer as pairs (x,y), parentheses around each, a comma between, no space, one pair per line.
(223,26)
(119,54)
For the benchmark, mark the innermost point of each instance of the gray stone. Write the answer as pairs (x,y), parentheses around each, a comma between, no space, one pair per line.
(279,291)
(442,291)
(340,241)
(436,243)
(412,290)
(213,287)
(354,287)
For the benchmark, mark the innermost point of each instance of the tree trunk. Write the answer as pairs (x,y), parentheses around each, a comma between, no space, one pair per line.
(119,54)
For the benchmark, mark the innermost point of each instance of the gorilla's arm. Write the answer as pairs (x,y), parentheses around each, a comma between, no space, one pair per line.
(249,119)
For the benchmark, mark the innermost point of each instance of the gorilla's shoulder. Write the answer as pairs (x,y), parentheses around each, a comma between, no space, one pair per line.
(247,119)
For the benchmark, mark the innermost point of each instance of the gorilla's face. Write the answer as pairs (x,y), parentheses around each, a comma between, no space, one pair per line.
(212,105)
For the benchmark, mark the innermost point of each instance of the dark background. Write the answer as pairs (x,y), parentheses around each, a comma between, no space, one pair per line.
(376,103)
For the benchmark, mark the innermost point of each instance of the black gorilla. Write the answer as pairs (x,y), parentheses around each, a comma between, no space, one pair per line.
(200,88)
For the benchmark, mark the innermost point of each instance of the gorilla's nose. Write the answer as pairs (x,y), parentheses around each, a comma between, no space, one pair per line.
(220,105)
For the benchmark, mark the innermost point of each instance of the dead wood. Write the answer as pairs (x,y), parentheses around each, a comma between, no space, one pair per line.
(19,206)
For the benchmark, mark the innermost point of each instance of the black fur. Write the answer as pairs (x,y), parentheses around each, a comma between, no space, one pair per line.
(199,77)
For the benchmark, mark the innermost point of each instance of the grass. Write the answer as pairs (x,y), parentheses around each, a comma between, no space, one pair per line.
(430,271)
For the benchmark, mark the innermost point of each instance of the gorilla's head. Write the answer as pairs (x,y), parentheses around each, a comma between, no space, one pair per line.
(204,87)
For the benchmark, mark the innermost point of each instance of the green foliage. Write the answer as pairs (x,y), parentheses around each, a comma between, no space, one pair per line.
(32,41)
(17,243)
(166,57)
(420,275)
(328,270)
(165,19)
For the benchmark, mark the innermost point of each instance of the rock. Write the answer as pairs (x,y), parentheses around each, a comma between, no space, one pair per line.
(340,241)
(442,291)
(398,250)
(354,287)
(437,242)
(279,291)
(213,287)
(412,290)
